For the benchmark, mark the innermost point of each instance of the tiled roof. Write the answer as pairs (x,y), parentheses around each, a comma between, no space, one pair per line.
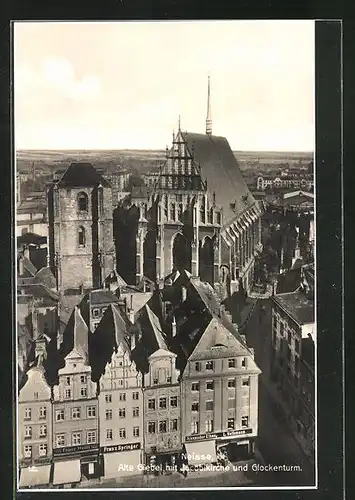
(45,276)
(221,170)
(82,175)
(111,332)
(297,305)
(28,266)
(98,297)
(31,238)
(39,291)
(75,336)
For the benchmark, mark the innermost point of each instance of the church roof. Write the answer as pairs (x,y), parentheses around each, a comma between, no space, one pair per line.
(220,168)
(82,175)
(45,277)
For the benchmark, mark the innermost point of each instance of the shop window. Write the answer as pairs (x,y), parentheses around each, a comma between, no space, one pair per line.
(83,202)
(91,468)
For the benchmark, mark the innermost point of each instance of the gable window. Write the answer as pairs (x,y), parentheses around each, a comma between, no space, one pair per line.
(83,202)
(67,393)
(231,363)
(83,379)
(198,366)
(81,236)
(83,392)
(244,362)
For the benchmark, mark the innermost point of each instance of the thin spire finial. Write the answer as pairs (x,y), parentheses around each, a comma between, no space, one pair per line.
(209,116)
(179,123)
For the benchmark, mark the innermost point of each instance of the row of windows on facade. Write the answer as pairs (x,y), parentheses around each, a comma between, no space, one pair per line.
(231,424)
(76,438)
(29,448)
(195,386)
(209,365)
(283,329)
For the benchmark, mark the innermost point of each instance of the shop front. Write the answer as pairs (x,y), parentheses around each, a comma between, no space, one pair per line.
(35,476)
(199,453)
(237,444)
(122,460)
(74,463)
(162,462)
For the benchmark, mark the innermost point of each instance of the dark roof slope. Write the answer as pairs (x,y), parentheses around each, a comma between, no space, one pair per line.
(82,175)
(297,305)
(220,168)
(31,239)
(98,297)
(45,277)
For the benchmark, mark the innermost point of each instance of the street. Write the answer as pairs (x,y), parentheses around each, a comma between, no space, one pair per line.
(276,442)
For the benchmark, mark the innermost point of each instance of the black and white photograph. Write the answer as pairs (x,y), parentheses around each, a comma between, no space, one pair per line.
(165,232)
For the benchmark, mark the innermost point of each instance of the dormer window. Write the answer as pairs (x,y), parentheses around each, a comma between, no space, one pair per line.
(83,202)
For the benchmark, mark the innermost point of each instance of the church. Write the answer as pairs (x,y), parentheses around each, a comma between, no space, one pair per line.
(198,216)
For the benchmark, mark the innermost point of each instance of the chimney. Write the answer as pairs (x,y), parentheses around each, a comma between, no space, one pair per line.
(26,251)
(21,268)
(173,327)
(131,315)
(35,324)
(183,294)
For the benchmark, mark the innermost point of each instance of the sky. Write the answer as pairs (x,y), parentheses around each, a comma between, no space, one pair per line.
(124,85)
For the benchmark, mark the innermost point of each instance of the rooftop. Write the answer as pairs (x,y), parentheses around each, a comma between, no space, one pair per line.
(81,175)
(221,170)
(297,305)
(98,297)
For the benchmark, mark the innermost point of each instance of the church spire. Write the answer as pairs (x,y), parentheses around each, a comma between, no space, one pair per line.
(209,116)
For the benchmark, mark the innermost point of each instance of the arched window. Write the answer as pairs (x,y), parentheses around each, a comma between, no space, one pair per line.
(81,236)
(83,202)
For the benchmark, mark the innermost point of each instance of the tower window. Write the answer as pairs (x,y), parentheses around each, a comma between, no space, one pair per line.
(81,236)
(83,202)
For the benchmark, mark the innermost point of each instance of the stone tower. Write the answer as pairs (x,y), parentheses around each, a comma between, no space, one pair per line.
(81,249)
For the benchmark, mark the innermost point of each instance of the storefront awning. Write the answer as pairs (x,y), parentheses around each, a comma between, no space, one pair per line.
(35,476)
(201,453)
(67,472)
(123,463)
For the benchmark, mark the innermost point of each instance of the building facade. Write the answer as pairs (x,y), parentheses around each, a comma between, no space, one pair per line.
(294,182)
(81,251)
(35,429)
(75,422)
(220,395)
(292,362)
(121,416)
(162,417)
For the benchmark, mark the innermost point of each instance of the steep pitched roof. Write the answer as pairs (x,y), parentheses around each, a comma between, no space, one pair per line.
(82,175)
(31,238)
(98,297)
(45,277)
(41,292)
(111,333)
(217,341)
(28,266)
(76,335)
(220,168)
